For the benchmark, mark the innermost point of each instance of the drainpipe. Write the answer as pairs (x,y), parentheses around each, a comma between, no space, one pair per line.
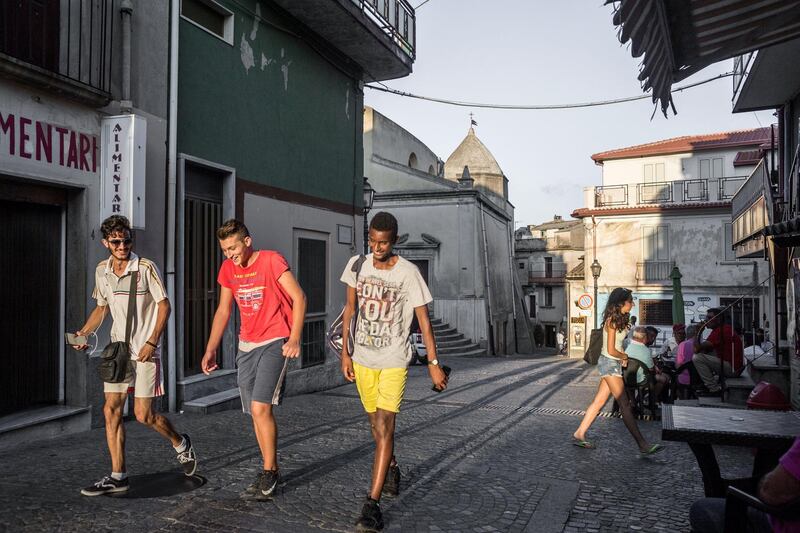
(172,159)
(486,278)
(126,10)
(513,285)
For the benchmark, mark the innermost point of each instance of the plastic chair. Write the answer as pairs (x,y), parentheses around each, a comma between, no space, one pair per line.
(737,503)
(636,391)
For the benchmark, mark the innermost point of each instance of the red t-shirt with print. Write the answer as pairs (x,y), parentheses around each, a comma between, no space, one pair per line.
(264,306)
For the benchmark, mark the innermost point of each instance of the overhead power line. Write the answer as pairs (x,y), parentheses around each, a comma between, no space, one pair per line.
(538,107)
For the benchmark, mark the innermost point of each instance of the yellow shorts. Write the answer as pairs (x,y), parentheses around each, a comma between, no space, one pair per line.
(380,388)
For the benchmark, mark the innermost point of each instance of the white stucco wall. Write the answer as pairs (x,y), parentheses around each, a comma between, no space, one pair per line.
(676,166)
(387,152)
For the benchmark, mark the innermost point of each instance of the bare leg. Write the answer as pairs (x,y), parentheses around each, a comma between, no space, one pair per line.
(147,415)
(383,423)
(618,390)
(600,399)
(115,429)
(266,430)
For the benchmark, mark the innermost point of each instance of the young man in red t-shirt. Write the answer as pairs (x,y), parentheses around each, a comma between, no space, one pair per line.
(272,307)
(721,352)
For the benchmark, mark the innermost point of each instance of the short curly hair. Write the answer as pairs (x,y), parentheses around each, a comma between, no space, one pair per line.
(115,224)
(384,221)
(232,228)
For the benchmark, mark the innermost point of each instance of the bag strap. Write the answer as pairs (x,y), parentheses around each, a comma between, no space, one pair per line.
(357,264)
(131,307)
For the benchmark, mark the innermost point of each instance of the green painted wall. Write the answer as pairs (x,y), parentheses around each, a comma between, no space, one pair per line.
(299,130)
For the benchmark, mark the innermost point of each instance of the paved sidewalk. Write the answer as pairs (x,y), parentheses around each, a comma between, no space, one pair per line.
(492,453)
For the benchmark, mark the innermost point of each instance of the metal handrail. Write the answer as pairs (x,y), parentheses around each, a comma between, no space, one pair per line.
(722,312)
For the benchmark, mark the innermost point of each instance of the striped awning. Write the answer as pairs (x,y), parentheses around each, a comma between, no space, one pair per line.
(677,38)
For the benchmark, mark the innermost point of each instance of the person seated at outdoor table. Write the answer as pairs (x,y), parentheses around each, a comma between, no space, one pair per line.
(685,352)
(669,350)
(639,351)
(777,488)
(721,352)
(627,339)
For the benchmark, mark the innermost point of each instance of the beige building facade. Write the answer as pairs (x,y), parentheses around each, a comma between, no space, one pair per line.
(668,204)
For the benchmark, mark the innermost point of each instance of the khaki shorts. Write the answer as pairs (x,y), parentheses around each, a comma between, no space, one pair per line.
(147,380)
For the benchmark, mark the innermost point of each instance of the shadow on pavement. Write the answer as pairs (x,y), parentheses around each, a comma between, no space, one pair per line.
(161,484)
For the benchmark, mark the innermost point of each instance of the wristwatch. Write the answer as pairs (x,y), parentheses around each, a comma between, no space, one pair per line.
(435,362)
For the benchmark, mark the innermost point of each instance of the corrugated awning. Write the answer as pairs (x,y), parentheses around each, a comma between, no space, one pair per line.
(680,37)
(784,233)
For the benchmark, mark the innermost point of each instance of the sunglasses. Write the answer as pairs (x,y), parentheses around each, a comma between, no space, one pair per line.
(119,242)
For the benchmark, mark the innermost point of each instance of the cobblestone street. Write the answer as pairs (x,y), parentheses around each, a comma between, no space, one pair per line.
(492,453)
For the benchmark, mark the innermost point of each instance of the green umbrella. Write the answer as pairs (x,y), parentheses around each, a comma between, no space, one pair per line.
(678,316)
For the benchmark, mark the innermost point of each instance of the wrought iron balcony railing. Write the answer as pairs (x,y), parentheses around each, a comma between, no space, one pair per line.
(71,39)
(542,273)
(654,271)
(396,18)
(667,192)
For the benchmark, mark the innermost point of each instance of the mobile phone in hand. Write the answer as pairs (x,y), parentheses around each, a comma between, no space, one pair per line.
(75,340)
(446,370)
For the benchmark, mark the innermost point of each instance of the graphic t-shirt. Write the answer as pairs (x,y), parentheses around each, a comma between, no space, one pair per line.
(264,306)
(386,300)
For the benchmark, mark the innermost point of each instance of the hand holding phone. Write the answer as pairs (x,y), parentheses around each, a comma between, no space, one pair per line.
(446,370)
(75,340)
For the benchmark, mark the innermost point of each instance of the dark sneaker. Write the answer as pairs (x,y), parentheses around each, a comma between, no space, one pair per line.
(107,485)
(269,481)
(255,487)
(187,458)
(391,485)
(371,520)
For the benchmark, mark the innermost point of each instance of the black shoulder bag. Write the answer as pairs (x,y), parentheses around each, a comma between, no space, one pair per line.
(595,346)
(115,362)
(334,333)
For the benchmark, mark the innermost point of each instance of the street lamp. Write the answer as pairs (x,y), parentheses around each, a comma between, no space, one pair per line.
(369,197)
(596,269)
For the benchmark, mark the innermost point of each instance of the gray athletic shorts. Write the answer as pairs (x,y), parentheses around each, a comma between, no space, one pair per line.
(261,374)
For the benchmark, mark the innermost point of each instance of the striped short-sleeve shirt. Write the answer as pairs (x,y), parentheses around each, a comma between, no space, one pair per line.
(112,291)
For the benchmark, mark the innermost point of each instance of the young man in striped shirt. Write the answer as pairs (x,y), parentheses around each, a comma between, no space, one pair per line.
(113,279)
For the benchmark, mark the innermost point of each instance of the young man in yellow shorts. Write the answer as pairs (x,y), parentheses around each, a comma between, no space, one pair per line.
(389,291)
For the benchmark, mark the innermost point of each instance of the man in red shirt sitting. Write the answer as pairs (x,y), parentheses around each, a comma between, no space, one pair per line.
(721,352)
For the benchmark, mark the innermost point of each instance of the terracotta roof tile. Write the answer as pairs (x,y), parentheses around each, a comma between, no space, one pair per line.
(749,157)
(689,143)
(643,209)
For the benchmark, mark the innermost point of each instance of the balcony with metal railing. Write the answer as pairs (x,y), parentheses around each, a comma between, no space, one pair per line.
(379,35)
(544,273)
(654,272)
(64,46)
(690,191)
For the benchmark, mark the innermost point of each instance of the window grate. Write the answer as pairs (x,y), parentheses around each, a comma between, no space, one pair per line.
(655,312)
(313,343)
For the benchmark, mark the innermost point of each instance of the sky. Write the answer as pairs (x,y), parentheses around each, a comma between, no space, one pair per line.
(542,52)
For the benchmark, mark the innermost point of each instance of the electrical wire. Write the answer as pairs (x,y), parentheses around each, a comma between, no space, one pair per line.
(387,89)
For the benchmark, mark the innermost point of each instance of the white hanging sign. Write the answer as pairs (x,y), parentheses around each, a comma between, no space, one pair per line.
(123,141)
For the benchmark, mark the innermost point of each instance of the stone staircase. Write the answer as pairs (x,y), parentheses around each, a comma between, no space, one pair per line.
(450,343)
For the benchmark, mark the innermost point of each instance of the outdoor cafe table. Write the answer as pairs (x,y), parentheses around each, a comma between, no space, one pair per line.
(771,433)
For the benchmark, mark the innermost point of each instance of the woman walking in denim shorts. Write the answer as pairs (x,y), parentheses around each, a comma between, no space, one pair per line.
(615,324)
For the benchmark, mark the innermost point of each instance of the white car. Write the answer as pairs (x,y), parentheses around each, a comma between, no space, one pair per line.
(418,350)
